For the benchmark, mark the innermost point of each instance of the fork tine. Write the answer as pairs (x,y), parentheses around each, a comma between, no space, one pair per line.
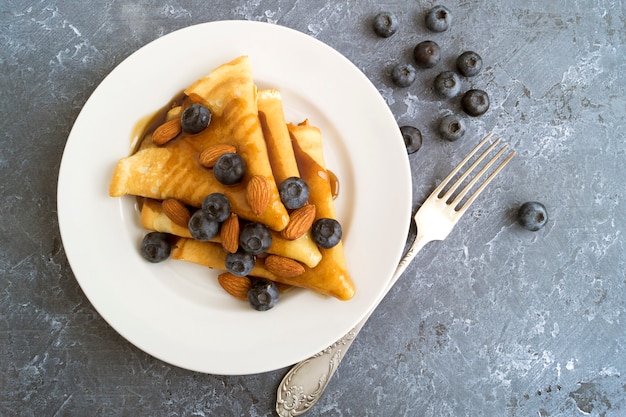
(448,195)
(474,180)
(456,169)
(491,176)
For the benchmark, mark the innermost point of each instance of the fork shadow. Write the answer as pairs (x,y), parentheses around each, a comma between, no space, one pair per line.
(411,235)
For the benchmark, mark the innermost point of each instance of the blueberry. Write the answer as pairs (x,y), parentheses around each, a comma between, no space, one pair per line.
(403,75)
(438,19)
(385,24)
(412,138)
(240,263)
(263,294)
(475,102)
(156,247)
(216,207)
(451,127)
(195,118)
(326,232)
(201,227)
(448,84)
(532,216)
(427,54)
(229,169)
(255,238)
(469,63)
(294,192)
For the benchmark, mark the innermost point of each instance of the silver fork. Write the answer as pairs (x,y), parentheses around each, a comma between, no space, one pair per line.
(304,384)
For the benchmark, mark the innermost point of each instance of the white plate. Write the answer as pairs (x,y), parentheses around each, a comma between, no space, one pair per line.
(176,311)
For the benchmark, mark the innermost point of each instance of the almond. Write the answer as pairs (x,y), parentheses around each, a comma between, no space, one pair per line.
(176,211)
(300,222)
(229,234)
(210,155)
(283,267)
(236,286)
(258,194)
(166,132)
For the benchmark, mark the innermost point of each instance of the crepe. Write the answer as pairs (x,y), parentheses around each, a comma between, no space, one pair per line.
(174,171)
(302,249)
(331,275)
(280,151)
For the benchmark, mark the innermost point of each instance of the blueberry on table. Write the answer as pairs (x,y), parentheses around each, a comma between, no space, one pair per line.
(240,263)
(532,215)
(427,54)
(201,227)
(229,169)
(447,84)
(255,238)
(438,19)
(451,127)
(156,247)
(294,193)
(403,75)
(216,207)
(385,24)
(475,102)
(263,294)
(326,232)
(195,118)
(469,63)
(412,138)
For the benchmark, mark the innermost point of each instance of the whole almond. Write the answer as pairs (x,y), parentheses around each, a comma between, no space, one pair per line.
(209,156)
(283,267)
(234,285)
(166,132)
(258,194)
(176,211)
(229,233)
(300,222)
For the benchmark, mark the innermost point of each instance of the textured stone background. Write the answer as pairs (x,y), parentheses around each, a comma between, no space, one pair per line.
(495,321)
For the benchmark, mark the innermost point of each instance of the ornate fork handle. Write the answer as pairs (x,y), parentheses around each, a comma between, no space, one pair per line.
(303,385)
(299,391)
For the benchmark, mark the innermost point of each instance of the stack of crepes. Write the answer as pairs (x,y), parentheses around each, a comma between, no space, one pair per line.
(253,123)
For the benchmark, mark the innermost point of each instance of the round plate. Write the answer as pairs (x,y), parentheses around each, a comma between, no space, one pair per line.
(176,311)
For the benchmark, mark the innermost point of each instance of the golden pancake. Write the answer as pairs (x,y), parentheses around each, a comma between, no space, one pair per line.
(174,170)
(331,275)
(212,255)
(280,151)
(302,249)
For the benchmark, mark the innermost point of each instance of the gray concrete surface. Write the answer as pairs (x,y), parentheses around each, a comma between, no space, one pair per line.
(495,321)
